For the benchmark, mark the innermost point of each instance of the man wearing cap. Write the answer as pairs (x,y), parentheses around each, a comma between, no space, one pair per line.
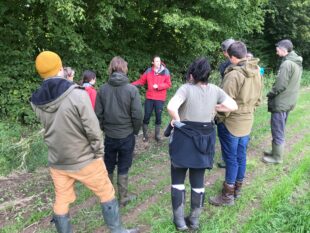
(282,98)
(74,140)
(224,46)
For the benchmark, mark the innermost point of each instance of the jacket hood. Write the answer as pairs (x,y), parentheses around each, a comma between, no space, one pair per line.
(249,67)
(118,79)
(51,93)
(161,69)
(292,56)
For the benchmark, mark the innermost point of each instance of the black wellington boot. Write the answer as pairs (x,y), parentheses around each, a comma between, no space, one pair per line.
(145,135)
(178,203)
(197,202)
(157,133)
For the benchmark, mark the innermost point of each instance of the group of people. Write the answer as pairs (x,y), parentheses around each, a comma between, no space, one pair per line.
(74,117)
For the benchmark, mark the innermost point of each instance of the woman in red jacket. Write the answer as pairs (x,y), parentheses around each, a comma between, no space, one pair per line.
(88,81)
(158,81)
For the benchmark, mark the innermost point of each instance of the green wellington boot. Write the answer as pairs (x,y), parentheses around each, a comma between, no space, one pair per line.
(62,223)
(276,156)
(110,212)
(124,196)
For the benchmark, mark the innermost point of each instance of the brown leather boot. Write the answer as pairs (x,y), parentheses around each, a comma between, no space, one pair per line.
(238,186)
(226,198)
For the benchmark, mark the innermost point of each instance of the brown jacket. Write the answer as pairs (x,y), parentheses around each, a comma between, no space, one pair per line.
(72,131)
(244,84)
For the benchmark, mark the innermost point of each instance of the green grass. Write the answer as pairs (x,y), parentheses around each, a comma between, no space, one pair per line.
(266,183)
(270,218)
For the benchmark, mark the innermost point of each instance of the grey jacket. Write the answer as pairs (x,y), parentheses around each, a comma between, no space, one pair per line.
(72,131)
(283,95)
(118,107)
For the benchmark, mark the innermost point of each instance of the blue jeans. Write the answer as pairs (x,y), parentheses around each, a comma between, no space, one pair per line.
(119,152)
(234,154)
(149,105)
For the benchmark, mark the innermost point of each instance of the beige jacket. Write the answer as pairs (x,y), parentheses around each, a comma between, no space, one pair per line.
(72,131)
(244,84)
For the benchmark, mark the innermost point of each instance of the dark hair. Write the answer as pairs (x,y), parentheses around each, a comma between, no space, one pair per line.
(200,70)
(88,75)
(118,64)
(286,44)
(237,49)
(155,57)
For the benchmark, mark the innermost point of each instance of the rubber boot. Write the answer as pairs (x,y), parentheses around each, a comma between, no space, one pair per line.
(238,186)
(145,136)
(122,184)
(111,177)
(221,164)
(226,198)
(178,203)
(197,202)
(268,153)
(110,212)
(157,133)
(277,154)
(62,223)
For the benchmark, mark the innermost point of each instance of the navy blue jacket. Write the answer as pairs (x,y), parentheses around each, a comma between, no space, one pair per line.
(193,145)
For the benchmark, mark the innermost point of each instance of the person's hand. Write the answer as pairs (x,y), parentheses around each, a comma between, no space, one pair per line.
(172,123)
(155,86)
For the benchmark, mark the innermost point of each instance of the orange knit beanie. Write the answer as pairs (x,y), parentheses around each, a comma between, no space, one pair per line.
(48,64)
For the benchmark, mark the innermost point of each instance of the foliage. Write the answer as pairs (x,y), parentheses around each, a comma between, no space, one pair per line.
(284,20)
(87,34)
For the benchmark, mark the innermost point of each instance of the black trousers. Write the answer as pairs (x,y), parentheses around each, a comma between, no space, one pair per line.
(119,152)
(196,176)
(149,105)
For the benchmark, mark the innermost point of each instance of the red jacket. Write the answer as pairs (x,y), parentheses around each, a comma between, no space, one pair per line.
(92,94)
(161,78)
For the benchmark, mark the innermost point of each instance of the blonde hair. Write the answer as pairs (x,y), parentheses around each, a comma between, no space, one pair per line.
(118,64)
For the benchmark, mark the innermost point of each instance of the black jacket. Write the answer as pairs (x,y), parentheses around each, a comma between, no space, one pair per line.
(118,107)
(193,145)
(223,67)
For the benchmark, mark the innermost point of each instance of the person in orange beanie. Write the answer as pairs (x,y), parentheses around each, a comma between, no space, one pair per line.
(75,146)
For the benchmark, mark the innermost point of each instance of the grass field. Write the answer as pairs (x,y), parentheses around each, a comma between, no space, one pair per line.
(274,198)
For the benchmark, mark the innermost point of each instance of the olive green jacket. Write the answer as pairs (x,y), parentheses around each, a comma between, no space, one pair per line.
(72,131)
(283,95)
(244,84)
